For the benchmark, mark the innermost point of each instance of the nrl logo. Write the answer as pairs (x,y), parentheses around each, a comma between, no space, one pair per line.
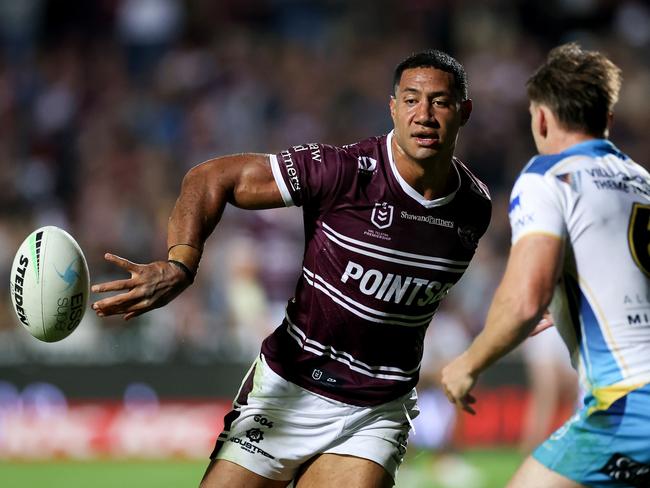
(382,215)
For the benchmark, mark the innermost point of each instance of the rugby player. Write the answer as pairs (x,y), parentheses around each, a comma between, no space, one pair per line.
(580,218)
(391,224)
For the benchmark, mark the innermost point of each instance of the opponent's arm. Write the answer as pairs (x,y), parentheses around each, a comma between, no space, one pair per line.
(244,180)
(519,303)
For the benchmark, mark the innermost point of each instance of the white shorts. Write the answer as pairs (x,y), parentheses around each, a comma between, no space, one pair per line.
(276,426)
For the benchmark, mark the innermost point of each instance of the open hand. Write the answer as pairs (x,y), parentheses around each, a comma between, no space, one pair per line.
(150,286)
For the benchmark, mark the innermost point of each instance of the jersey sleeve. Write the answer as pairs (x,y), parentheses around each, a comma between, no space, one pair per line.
(535,208)
(310,174)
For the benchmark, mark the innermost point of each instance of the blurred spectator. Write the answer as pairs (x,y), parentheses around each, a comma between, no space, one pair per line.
(433,429)
(553,385)
(105,105)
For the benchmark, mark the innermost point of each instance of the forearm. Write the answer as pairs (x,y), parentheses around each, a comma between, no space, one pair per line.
(519,302)
(196,212)
(509,322)
(244,180)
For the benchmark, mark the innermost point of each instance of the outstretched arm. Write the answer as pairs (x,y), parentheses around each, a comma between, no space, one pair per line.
(244,180)
(519,303)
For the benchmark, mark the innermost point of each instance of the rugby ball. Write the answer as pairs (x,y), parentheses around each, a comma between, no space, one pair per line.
(49,284)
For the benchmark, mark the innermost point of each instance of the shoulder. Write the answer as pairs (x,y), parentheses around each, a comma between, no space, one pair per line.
(541,165)
(366,153)
(473,196)
(582,152)
(476,186)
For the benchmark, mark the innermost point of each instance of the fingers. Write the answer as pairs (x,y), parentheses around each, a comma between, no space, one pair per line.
(465,404)
(121,262)
(123,302)
(130,315)
(546,322)
(107,306)
(115,305)
(116,285)
(541,326)
(149,287)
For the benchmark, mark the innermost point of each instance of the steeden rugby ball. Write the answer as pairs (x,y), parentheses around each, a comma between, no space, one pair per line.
(49,284)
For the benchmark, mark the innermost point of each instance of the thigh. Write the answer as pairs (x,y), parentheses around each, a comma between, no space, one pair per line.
(533,474)
(276,426)
(378,434)
(328,470)
(224,474)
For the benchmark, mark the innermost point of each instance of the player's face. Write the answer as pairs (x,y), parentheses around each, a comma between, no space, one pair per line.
(427,113)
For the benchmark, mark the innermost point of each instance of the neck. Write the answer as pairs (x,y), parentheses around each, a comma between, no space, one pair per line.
(432,178)
(564,140)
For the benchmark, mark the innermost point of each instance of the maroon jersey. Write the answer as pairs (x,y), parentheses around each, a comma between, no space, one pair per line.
(378,260)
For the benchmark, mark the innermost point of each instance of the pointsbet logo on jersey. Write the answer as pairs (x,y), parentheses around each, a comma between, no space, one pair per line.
(394,287)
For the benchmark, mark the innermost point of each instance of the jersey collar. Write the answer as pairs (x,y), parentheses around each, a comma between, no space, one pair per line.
(594,147)
(409,190)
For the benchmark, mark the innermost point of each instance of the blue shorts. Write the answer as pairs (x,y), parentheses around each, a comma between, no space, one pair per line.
(605,448)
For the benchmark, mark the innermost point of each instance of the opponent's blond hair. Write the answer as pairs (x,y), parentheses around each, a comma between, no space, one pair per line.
(581,88)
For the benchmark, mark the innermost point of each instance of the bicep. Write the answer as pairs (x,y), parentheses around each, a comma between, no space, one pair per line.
(246,180)
(256,187)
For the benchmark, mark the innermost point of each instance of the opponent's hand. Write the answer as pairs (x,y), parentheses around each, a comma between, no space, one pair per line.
(150,286)
(546,322)
(457,381)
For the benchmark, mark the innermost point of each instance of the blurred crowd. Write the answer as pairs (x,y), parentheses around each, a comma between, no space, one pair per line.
(104,106)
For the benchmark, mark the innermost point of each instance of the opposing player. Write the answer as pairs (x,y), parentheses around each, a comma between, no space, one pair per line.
(391,223)
(580,214)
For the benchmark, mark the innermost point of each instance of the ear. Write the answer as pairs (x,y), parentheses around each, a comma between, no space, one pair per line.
(393,106)
(610,122)
(465,111)
(542,121)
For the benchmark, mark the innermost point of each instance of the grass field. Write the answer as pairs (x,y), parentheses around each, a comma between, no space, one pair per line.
(480,469)
(473,469)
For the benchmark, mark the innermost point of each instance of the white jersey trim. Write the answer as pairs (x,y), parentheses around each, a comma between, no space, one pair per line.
(315,347)
(409,190)
(358,309)
(388,250)
(364,252)
(279,180)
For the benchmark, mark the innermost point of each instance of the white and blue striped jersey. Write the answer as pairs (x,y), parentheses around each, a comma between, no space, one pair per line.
(597,200)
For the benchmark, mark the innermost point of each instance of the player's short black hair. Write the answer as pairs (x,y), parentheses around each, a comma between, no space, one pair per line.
(580,87)
(432,58)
